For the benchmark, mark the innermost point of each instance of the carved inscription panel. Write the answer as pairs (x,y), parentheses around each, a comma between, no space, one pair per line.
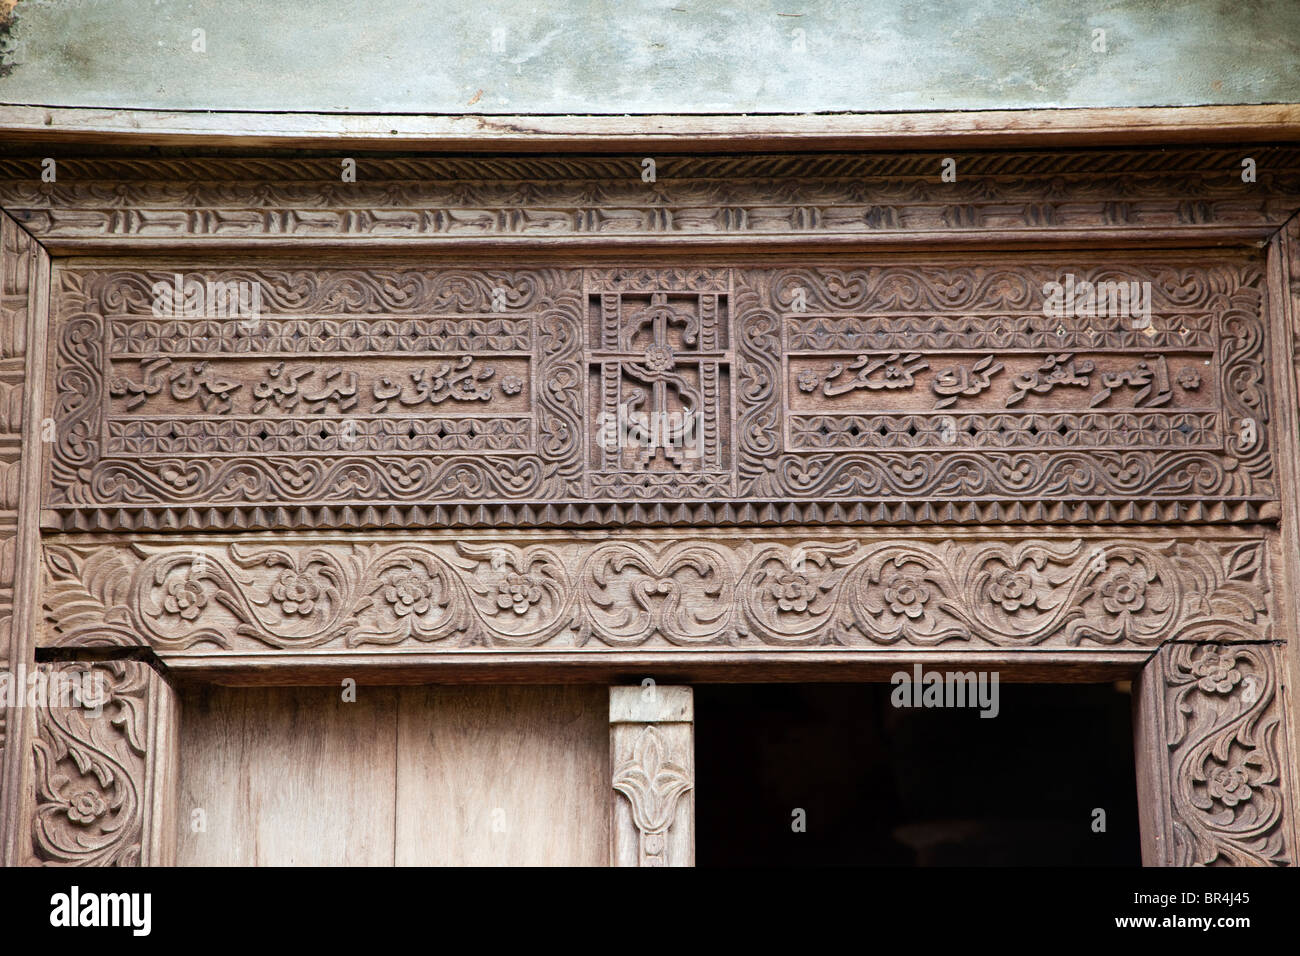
(292,397)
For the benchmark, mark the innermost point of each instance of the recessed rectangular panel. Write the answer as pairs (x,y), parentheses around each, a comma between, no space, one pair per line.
(1089,388)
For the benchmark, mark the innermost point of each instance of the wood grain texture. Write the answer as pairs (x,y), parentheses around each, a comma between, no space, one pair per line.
(412,776)
(1284,307)
(680,133)
(287,777)
(491,776)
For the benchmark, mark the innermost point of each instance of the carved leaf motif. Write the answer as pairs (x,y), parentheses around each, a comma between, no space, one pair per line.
(89,593)
(652,783)
(89,771)
(1224,739)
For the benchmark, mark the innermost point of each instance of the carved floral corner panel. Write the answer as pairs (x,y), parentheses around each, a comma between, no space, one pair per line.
(1060,389)
(1215,757)
(748,589)
(104,766)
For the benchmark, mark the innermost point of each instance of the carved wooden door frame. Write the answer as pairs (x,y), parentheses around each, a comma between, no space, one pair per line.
(773,559)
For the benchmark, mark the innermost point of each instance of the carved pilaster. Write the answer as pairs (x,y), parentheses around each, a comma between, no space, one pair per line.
(104,753)
(652,756)
(1213,757)
(24,307)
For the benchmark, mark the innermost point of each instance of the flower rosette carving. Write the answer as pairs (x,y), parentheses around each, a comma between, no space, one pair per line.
(1016,594)
(1069,591)
(521,596)
(790,595)
(412,594)
(89,767)
(683,593)
(1129,594)
(278,596)
(1011,594)
(1223,726)
(902,594)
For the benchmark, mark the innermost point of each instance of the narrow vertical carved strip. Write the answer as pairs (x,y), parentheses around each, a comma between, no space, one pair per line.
(24,309)
(652,756)
(1214,774)
(104,755)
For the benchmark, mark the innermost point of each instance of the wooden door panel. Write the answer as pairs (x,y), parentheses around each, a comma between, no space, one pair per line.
(503,775)
(484,775)
(287,776)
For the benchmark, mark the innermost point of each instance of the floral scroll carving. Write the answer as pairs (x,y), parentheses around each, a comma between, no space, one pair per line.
(1223,732)
(760,591)
(92,753)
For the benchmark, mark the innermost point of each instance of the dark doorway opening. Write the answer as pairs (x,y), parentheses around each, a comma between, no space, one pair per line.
(887,785)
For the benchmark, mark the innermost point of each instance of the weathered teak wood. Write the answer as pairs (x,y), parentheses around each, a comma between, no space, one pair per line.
(502,776)
(652,759)
(287,777)
(1119,198)
(677,597)
(885,391)
(404,466)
